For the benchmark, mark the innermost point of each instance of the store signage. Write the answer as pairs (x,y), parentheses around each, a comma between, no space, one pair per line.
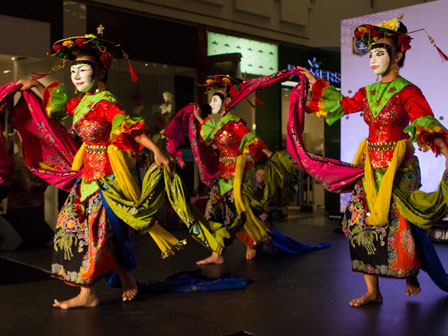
(314,66)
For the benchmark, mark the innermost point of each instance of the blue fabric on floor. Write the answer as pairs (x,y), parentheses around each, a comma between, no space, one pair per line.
(288,245)
(193,281)
(123,245)
(429,260)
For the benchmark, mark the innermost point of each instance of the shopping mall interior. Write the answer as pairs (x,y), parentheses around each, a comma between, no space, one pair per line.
(174,47)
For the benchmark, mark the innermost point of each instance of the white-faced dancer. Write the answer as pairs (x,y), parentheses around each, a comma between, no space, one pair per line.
(216,102)
(379,59)
(83,75)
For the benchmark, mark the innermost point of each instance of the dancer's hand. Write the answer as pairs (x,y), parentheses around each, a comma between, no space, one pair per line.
(197,115)
(27,84)
(308,75)
(162,160)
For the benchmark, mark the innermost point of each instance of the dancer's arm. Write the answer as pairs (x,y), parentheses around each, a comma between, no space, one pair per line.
(159,157)
(425,129)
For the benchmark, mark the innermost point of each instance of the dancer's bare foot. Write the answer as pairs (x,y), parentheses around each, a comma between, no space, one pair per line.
(373,294)
(128,284)
(412,286)
(368,297)
(250,252)
(86,298)
(215,258)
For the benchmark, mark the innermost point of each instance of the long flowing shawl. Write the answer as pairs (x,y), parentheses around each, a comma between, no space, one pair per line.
(185,123)
(333,175)
(48,149)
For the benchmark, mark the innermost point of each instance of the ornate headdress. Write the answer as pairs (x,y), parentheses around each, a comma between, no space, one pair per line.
(368,34)
(69,48)
(229,84)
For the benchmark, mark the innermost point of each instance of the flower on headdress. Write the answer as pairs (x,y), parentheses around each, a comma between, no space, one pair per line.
(81,43)
(59,48)
(362,30)
(68,43)
(404,42)
(233,91)
(209,81)
(225,79)
(393,24)
(106,59)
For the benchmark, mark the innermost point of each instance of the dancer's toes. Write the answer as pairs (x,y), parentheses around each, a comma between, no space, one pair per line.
(374,297)
(250,253)
(215,258)
(128,284)
(129,295)
(412,286)
(79,301)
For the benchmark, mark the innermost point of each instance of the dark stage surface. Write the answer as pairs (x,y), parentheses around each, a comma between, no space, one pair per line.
(300,295)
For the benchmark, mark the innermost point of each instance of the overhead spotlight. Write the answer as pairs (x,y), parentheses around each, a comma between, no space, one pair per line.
(13,58)
(6,71)
(146,64)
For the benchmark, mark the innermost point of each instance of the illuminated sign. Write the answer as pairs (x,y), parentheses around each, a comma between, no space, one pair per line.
(258,58)
(315,68)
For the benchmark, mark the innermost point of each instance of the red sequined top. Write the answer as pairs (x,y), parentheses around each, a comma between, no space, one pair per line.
(388,126)
(230,139)
(95,128)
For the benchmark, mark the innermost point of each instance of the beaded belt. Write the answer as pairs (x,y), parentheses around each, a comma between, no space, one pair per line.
(96,149)
(227,159)
(379,146)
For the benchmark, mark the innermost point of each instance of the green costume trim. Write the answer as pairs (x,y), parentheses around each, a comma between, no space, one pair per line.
(225,186)
(332,100)
(379,94)
(247,137)
(58,100)
(89,101)
(207,128)
(210,128)
(119,118)
(426,121)
(87,189)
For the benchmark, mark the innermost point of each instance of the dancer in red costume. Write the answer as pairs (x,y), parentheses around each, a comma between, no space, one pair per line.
(386,211)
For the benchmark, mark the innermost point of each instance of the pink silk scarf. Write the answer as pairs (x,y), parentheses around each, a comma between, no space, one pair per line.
(48,148)
(333,175)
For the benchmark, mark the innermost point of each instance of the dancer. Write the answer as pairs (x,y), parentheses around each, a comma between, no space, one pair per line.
(386,210)
(232,139)
(229,174)
(90,240)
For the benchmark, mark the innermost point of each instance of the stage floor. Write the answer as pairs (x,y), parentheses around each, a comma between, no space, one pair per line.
(295,295)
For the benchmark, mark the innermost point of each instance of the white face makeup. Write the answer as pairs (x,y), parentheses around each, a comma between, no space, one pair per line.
(82,76)
(216,104)
(379,61)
